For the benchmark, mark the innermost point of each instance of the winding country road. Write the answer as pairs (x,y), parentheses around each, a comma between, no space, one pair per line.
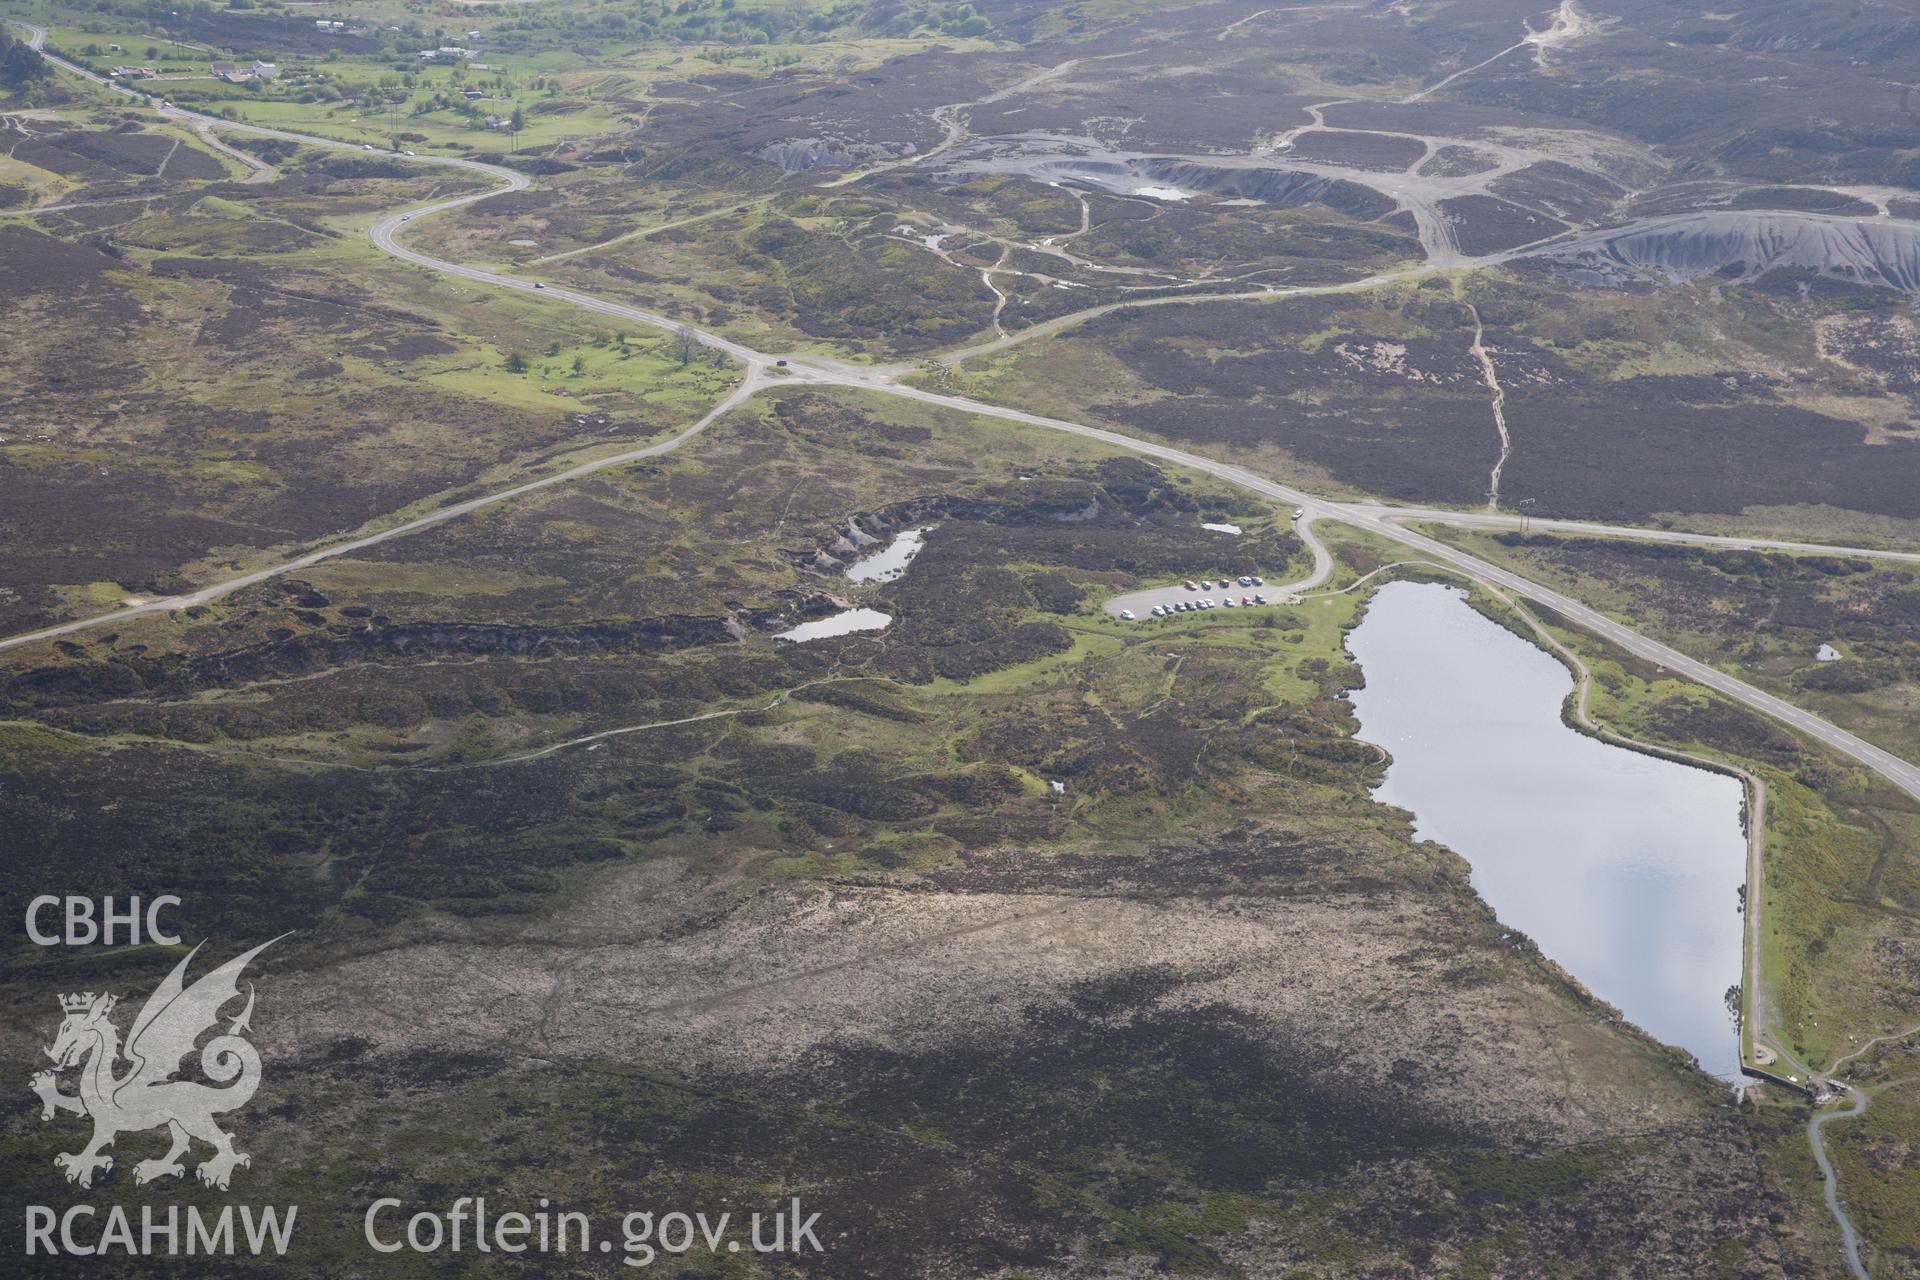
(763,370)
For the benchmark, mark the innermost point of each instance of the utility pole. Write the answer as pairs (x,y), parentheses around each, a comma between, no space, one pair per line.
(1526,516)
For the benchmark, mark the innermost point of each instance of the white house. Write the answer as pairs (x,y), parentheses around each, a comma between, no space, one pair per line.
(265,70)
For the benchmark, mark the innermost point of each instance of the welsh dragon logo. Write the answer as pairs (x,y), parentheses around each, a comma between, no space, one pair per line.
(146,1095)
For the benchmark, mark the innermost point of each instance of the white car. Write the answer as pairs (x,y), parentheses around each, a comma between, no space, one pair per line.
(406,153)
(1126,615)
(405,216)
(1159,610)
(366,146)
(1299,512)
(1231,603)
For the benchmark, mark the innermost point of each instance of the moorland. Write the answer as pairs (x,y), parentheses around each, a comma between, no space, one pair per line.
(1022,940)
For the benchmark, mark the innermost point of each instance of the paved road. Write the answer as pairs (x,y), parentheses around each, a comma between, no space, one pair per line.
(761,368)
(1901,773)
(1542,524)
(1379,519)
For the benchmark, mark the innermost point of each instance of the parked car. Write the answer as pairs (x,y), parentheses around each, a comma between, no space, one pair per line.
(1126,615)
(1192,585)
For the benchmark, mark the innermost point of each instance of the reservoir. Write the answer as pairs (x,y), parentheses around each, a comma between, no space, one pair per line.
(1625,869)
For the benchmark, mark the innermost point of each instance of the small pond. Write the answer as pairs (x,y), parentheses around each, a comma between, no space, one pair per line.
(891,561)
(843,623)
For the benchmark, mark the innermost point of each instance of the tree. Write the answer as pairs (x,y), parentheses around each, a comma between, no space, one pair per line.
(20,63)
(685,344)
(152,53)
(516,363)
(579,365)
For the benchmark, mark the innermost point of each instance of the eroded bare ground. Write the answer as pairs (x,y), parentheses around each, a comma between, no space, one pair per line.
(1207,1006)
(1086,1064)
(1481,129)
(1272,1014)
(964,206)
(830,931)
